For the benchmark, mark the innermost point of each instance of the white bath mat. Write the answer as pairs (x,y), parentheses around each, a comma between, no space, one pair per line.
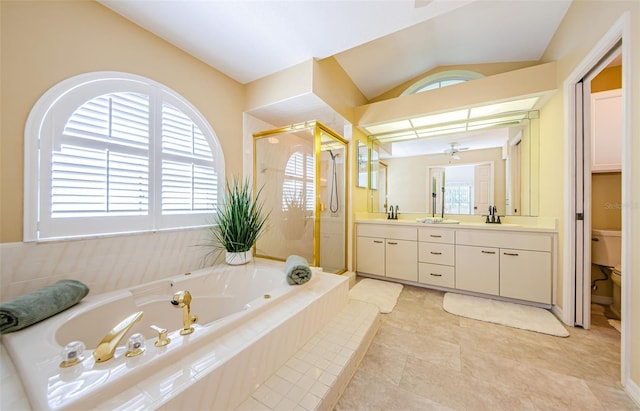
(502,312)
(615,324)
(384,294)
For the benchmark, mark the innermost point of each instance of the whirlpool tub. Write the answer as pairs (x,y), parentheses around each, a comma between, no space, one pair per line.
(250,321)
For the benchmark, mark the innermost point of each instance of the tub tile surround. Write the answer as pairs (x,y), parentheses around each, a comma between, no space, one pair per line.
(315,377)
(231,363)
(104,264)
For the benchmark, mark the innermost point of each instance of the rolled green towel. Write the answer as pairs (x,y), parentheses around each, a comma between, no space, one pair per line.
(297,270)
(38,305)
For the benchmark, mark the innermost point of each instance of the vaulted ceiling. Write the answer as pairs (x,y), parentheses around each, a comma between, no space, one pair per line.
(379,43)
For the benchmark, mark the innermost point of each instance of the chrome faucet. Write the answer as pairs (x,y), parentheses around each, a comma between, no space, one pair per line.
(107,347)
(182,299)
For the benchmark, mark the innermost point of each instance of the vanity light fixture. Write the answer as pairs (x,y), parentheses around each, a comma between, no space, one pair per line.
(457,121)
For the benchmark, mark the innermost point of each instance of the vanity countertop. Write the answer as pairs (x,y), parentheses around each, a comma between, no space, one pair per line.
(463,225)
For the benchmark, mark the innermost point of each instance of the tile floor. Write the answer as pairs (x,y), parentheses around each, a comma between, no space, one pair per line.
(424,358)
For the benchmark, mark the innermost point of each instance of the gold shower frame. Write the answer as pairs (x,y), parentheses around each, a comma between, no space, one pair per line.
(318,129)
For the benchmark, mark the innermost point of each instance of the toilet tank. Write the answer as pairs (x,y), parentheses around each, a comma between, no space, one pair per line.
(606,247)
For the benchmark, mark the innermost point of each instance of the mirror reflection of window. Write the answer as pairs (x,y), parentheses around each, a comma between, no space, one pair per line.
(468,188)
(373,161)
(382,186)
(298,187)
(362,165)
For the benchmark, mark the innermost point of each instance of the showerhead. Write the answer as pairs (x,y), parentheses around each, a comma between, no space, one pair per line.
(333,156)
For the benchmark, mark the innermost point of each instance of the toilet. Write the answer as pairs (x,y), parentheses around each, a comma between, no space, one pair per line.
(606,251)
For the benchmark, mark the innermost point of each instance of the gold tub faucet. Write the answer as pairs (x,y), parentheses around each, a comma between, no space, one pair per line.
(107,347)
(182,299)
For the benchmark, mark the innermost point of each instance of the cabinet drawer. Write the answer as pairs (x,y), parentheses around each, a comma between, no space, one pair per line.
(388,231)
(436,235)
(435,253)
(434,274)
(501,239)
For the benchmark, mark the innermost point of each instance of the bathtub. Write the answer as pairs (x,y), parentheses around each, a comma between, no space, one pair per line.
(250,322)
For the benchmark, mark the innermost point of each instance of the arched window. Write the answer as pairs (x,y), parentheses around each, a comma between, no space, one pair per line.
(109,153)
(442,79)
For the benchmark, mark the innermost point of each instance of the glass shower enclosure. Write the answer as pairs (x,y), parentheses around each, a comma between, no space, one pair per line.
(302,172)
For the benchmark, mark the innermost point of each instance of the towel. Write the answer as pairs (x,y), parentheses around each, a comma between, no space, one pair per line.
(297,270)
(38,305)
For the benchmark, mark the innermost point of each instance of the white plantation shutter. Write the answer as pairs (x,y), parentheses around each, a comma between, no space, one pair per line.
(137,159)
(299,174)
(100,163)
(86,182)
(189,180)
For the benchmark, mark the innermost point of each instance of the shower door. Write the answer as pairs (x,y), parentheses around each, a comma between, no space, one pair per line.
(331,196)
(301,170)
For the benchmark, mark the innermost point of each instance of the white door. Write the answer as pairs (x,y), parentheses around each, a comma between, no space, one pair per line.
(482,197)
(582,183)
(583,298)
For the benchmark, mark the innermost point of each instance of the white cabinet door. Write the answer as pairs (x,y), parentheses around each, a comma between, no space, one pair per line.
(525,275)
(477,269)
(370,255)
(402,259)
(606,131)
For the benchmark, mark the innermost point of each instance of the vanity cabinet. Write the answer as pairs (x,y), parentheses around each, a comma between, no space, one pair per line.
(606,131)
(390,251)
(436,257)
(508,264)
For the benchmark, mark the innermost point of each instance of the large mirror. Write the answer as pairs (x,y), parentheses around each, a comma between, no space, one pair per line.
(494,167)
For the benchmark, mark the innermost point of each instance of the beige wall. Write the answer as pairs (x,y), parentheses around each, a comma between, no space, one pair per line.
(504,86)
(332,84)
(608,79)
(606,201)
(585,23)
(45,42)
(291,82)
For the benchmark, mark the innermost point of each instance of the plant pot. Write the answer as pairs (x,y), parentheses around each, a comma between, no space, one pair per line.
(238,258)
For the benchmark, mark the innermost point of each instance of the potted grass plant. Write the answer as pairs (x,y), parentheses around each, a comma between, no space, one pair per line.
(238,222)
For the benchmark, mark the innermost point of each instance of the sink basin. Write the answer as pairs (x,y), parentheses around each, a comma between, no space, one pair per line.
(494,225)
(436,220)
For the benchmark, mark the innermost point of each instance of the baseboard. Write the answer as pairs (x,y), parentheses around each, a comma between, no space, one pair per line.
(601,299)
(633,390)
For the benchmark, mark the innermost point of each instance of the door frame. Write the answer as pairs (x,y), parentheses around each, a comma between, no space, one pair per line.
(621,30)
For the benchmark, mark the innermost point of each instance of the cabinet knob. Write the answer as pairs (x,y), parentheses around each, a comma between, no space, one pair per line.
(435,275)
(377,241)
(392,242)
(513,254)
(435,253)
(488,252)
(435,235)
